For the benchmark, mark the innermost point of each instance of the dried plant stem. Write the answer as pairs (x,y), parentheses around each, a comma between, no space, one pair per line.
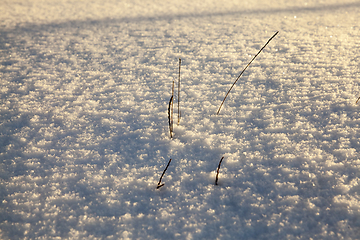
(172,108)
(179,113)
(171,111)
(357,100)
(169,116)
(159,183)
(217,171)
(244,70)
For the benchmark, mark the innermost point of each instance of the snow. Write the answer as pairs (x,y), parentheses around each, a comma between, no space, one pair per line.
(84,134)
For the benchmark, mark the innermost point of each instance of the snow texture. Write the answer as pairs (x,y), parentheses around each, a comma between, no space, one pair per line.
(84,134)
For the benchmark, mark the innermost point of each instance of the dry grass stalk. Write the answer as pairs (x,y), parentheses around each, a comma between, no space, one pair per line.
(159,183)
(179,113)
(244,70)
(171,112)
(169,116)
(217,171)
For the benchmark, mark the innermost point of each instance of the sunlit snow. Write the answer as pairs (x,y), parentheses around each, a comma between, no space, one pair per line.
(84,134)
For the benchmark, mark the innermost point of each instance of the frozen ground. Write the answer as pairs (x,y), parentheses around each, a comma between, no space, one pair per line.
(84,132)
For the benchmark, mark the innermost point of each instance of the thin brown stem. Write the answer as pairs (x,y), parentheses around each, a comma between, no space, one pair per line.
(169,116)
(159,183)
(171,111)
(179,93)
(172,108)
(217,171)
(244,70)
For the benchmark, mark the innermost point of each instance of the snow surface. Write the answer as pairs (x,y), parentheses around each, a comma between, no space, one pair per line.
(84,134)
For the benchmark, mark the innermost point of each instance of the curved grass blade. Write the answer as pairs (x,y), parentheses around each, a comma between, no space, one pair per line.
(244,70)
(159,183)
(170,116)
(171,112)
(217,171)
